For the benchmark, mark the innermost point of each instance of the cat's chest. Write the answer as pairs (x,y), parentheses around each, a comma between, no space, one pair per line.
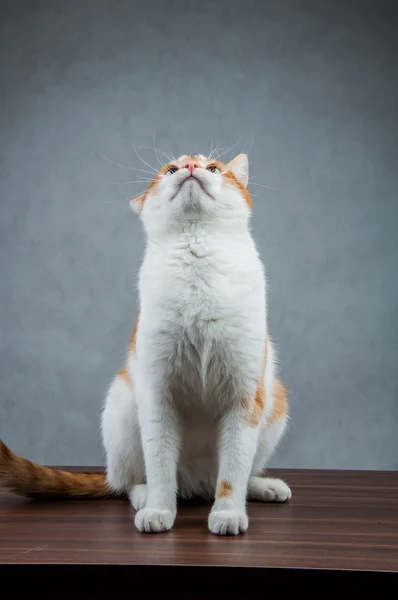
(204,284)
(203,317)
(214,318)
(202,307)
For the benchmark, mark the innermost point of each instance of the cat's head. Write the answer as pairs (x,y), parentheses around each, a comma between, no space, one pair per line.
(196,188)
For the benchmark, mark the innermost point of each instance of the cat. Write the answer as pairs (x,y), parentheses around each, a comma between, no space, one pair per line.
(197,409)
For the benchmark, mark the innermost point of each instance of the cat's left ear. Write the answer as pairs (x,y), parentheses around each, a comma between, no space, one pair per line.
(239,166)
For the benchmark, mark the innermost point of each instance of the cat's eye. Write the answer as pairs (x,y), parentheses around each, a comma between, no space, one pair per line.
(171,170)
(213,169)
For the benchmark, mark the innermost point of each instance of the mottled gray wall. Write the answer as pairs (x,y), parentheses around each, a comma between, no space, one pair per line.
(315,84)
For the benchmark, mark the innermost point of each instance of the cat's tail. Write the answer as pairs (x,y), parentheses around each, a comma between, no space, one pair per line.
(26,478)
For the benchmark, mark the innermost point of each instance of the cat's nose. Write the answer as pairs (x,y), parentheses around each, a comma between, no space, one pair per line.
(191,166)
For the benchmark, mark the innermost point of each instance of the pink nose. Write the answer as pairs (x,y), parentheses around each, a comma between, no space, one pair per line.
(191,166)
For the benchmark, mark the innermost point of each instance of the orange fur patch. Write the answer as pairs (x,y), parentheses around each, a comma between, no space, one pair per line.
(255,408)
(26,478)
(218,164)
(140,201)
(280,408)
(224,490)
(133,339)
(124,375)
(244,191)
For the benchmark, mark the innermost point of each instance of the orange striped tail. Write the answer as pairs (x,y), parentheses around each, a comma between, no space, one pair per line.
(26,478)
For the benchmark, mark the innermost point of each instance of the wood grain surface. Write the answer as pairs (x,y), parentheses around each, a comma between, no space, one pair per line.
(336,520)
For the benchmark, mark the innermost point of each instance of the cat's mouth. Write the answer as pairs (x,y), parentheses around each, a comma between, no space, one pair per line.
(192,179)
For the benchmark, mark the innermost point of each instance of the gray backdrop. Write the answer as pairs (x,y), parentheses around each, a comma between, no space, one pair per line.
(314,83)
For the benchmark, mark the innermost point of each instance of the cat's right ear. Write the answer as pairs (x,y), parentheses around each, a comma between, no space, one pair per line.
(136,204)
(239,166)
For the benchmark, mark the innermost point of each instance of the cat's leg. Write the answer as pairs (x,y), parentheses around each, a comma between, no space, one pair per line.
(138,495)
(122,440)
(269,489)
(160,432)
(237,446)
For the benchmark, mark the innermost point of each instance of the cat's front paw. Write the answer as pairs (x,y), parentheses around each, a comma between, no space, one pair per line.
(228,522)
(154,520)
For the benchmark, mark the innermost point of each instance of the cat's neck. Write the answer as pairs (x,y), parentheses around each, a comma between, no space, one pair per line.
(195,229)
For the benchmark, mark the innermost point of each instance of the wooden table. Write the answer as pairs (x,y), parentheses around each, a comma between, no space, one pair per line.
(339,526)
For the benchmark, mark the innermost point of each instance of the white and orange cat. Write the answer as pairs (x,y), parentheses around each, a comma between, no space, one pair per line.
(197,409)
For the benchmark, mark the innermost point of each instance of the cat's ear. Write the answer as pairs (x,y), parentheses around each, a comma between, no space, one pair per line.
(239,166)
(136,204)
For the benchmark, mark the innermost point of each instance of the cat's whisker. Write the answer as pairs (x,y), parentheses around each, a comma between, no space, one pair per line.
(161,163)
(251,145)
(122,182)
(145,171)
(112,162)
(228,149)
(216,149)
(256,196)
(144,161)
(116,163)
(211,148)
(158,151)
(268,187)
(170,154)
(170,159)
(127,199)
(220,151)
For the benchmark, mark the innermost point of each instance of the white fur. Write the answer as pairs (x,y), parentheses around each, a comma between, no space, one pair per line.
(180,427)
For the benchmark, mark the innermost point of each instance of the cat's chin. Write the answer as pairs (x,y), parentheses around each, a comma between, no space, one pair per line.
(192,199)
(194,189)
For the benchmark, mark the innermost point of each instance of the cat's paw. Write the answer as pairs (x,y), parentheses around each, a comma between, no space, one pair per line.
(154,520)
(138,496)
(267,489)
(228,522)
